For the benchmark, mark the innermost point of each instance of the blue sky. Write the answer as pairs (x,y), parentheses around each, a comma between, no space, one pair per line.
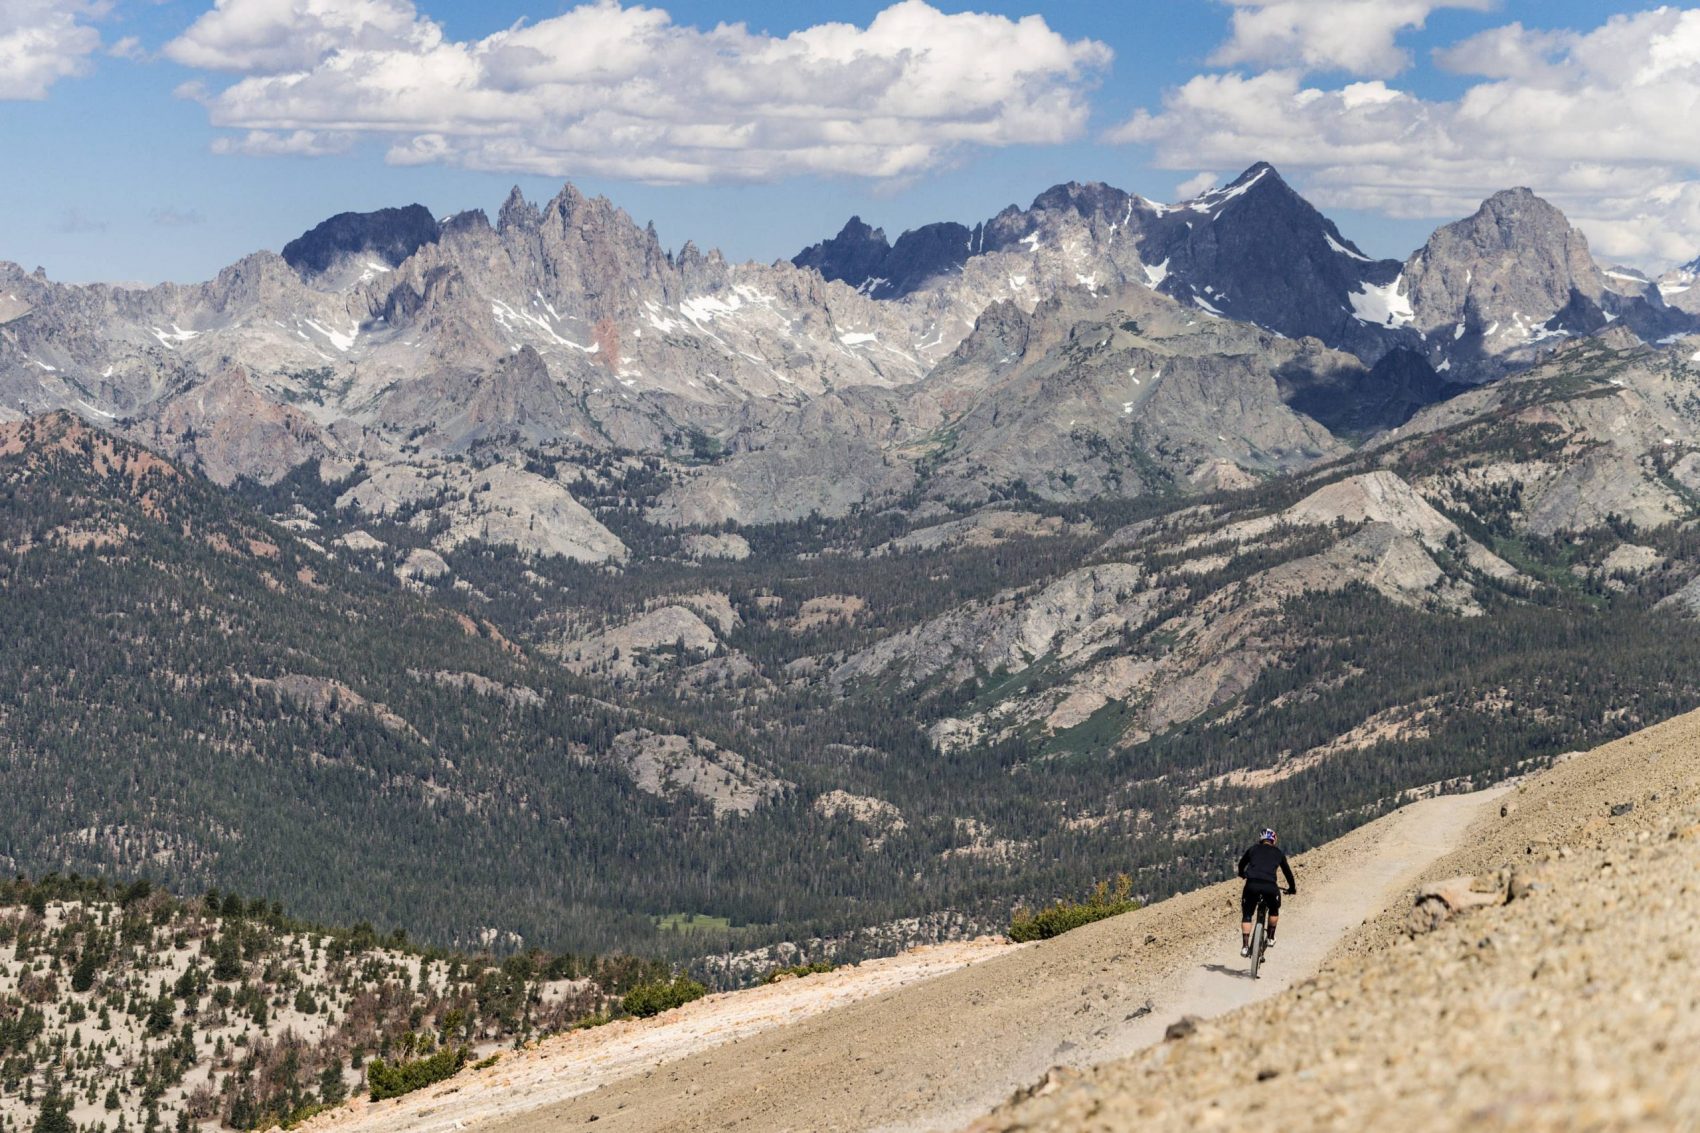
(162,140)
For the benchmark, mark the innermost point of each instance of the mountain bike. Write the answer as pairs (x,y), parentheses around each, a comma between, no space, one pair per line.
(1259,935)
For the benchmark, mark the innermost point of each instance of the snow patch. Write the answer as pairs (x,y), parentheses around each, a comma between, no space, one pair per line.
(175,335)
(1384,305)
(336,338)
(507,316)
(1216,198)
(857,338)
(707,308)
(1154,276)
(1032,241)
(1345,251)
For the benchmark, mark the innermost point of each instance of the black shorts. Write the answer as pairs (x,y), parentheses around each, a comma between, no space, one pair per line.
(1256,891)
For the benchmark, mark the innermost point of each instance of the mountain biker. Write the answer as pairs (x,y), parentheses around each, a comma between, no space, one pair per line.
(1258,865)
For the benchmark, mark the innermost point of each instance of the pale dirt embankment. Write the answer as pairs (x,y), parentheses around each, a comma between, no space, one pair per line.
(938,1051)
(1574,1006)
(560,1067)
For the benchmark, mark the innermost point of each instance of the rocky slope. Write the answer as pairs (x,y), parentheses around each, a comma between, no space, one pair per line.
(1547,990)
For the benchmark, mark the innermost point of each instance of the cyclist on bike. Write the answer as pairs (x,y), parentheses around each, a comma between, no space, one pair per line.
(1258,866)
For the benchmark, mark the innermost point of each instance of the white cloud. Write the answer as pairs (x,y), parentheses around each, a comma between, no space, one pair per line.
(286,35)
(1195,185)
(1601,122)
(623,91)
(43,41)
(293,143)
(1357,36)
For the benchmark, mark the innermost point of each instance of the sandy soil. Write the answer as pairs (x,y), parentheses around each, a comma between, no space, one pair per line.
(970,1024)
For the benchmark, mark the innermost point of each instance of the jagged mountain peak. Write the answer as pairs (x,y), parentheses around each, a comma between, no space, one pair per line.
(855,255)
(517,212)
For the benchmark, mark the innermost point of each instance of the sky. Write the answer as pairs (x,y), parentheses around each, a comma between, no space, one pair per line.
(148,140)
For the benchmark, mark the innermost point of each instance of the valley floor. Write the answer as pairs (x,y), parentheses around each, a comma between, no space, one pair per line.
(913,1044)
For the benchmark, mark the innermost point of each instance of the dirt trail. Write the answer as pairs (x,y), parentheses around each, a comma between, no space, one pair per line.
(940,1052)
(1314,921)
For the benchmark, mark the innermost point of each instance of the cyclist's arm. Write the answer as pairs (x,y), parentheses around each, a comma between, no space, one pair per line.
(1245,858)
(1292,886)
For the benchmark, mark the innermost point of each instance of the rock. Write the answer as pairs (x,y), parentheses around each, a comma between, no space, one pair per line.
(1426,915)
(1184,1027)
(423,565)
(1460,893)
(1525,880)
(1621,809)
(727,546)
(360,541)
(669,764)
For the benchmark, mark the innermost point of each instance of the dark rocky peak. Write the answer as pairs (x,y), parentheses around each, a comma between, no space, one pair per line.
(1258,251)
(924,253)
(468,221)
(390,234)
(856,254)
(860,256)
(1089,200)
(1260,182)
(518,213)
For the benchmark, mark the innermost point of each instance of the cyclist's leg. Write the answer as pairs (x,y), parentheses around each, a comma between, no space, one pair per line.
(1248,910)
(1273,900)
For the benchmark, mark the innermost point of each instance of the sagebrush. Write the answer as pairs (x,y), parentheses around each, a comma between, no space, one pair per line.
(1105,900)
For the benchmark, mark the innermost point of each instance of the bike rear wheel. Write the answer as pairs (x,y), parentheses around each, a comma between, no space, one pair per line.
(1259,931)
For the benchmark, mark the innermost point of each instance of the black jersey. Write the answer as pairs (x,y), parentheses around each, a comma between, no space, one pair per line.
(1259,864)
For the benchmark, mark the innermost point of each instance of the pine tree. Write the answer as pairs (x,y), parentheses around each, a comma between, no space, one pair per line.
(55,1114)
